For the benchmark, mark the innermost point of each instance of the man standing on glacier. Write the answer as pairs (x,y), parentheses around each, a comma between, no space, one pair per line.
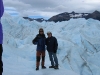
(52,46)
(1,36)
(39,40)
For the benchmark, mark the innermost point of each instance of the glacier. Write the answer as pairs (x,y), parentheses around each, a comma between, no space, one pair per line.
(78,46)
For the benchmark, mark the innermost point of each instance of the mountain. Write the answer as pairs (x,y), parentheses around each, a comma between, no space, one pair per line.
(32,19)
(67,16)
(94,15)
(78,46)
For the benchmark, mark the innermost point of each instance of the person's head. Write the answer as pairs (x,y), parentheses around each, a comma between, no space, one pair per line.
(49,34)
(41,31)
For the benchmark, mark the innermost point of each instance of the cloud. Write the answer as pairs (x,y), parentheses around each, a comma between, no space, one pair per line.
(17,4)
(50,8)
(11,10)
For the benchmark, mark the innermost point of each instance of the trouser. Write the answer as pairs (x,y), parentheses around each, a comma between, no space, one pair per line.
(53,59)
(39,55)
(1,63)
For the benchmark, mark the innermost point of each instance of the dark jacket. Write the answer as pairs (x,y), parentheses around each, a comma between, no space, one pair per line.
(52,44)
(39,40)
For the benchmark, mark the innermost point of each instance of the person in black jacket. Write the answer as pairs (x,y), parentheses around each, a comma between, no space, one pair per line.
(52,46)
(39,40)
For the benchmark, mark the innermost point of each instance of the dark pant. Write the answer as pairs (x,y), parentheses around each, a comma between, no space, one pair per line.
(1,63)
(53,59)
(40,54)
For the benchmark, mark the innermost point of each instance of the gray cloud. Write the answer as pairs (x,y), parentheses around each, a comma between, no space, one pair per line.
(52,7)
(38,4)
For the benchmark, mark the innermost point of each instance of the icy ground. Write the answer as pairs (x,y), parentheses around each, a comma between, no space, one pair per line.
(78,49)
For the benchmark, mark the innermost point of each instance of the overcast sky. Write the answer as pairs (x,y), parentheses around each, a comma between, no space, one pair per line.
(49,8)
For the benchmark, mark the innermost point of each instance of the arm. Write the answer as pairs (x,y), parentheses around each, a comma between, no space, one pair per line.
(46,42)
(34,41)
(55,44)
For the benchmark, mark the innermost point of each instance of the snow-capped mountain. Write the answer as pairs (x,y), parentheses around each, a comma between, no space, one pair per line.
(67,16)
(78,46)
(32,19)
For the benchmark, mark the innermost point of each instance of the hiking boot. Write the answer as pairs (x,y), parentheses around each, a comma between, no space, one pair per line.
(56,67)
(51,66)
(43,67)
(37,68)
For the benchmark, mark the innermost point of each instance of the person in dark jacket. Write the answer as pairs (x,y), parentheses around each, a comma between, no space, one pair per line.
(1,36)
(52,46)
(39,40)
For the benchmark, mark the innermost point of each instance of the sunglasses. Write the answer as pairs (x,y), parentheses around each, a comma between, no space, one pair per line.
(40,31)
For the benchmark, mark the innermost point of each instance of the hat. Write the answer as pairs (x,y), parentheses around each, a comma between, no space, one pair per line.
(41,29)
(49,32)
